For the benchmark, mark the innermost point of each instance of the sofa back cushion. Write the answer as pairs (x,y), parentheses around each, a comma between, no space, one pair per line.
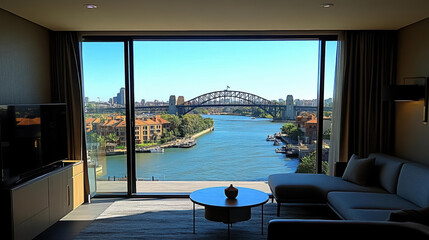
(413,184)
(359,171)
(387,170)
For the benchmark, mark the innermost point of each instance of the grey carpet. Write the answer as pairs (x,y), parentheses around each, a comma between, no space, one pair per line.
(172,219)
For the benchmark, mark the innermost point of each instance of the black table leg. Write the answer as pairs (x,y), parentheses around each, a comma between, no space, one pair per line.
(194,218)
(262,220)
(229,233)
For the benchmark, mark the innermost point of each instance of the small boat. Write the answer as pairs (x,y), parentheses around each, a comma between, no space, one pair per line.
(283,149)
(270,138)
(157,150)
(189,143)
(142,150)
(276,142)
(253,118)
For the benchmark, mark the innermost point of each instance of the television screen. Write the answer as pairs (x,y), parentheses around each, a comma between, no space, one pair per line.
(31,138)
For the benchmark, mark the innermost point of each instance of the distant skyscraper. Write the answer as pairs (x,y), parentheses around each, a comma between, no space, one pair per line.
(120,97)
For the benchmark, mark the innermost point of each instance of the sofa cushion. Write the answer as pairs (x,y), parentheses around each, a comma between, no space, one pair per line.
(367,214)
(367,206)
(359,171)
(413,184)
(387,170)
(313,188)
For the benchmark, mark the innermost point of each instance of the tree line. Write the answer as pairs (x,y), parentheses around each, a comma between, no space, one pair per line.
(185,126)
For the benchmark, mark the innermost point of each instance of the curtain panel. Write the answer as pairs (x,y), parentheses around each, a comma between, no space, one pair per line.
(336,111)
(367,123)
(66,87)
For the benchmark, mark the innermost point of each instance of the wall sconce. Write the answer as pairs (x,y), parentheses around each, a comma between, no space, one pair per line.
(409,92)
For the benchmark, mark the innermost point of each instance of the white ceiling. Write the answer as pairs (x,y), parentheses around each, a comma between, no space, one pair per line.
(165,15)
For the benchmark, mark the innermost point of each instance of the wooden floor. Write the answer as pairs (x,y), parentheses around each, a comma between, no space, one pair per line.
(113,215)
(168,218)
(185,187)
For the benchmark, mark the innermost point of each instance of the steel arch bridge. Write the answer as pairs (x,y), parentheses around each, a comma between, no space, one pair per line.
(231,98)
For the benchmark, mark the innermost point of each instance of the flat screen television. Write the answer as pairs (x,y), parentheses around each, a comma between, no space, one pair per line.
(33,138)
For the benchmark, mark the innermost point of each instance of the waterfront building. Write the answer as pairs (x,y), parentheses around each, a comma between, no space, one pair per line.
(109,126)
(302,118)
(146,128)
(311,129)
(306,102)
(307,122)
(91,123)
(150,129)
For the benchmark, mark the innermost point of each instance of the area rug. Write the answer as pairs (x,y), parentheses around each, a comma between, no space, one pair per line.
(173,219)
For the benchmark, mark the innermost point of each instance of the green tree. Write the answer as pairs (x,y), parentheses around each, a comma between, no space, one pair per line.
(308,164)
(295,133)
(287,128)
(175,122)
(208,122)
(292,130)
(112,138)
(327,134)
(238,111)
(185,125)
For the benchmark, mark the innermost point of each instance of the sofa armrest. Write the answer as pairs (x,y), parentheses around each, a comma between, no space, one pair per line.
(340,230)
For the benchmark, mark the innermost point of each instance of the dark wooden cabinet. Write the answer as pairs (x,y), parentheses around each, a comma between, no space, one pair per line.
(39,203)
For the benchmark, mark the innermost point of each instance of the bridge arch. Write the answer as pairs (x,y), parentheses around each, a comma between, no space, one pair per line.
(230,98)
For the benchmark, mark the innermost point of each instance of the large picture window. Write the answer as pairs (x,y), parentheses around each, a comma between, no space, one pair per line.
(206,112)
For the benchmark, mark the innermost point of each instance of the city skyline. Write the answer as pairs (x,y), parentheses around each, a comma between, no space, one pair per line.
(193,68)
(120,99)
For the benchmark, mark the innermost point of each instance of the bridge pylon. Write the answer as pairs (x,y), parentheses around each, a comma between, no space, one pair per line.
(172,109)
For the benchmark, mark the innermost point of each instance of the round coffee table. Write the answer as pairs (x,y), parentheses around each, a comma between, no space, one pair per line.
(221,209)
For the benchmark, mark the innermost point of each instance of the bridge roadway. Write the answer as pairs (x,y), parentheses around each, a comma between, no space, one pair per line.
(233,99)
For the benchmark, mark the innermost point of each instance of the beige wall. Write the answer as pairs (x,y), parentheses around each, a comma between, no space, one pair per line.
(412,136)
(24,61)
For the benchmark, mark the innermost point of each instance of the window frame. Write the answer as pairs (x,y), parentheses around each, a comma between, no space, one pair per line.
(128,40)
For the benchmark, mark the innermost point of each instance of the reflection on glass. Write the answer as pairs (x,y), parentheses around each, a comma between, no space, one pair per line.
(105,115)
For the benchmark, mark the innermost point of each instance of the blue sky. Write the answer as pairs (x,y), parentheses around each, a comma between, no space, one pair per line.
(270,69)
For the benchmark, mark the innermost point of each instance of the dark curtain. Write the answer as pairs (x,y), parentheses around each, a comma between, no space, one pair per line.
(66,87)
(367,123)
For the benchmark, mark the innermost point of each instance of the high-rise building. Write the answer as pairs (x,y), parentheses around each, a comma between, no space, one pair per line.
(120,97)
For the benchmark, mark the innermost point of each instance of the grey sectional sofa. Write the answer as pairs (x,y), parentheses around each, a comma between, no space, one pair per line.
(397,184)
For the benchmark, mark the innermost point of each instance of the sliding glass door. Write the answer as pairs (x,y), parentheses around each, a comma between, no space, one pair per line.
(105,115)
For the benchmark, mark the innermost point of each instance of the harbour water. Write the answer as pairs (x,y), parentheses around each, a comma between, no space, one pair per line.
(236,150)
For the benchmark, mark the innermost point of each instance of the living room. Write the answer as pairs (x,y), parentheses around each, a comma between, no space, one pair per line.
(28,75)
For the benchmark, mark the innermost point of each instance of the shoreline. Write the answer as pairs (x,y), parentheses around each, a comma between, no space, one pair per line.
(232,114)
(197,135)
(165,145)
